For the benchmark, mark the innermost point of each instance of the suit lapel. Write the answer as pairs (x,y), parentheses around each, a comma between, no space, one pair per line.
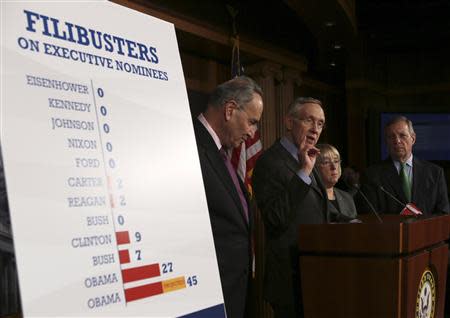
(391,177)
(340,201)
(212,154)
(218,165)
(294,166)
(318,188)
(419,174)
(287,158)
(318,185)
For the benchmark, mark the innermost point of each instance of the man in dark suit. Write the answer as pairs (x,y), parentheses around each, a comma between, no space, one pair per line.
(403,175)
(420,182)
(289,192)
(233,112)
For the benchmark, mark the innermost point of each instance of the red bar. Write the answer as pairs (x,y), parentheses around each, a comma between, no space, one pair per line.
(122,237)
(109,181)
(111,200)
(124,256)
(142,272)
(144,291)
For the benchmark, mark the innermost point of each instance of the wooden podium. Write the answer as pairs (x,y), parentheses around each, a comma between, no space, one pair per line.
(375,269)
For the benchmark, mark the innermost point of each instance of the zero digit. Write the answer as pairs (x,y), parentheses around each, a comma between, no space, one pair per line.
(112,163)
(106,128)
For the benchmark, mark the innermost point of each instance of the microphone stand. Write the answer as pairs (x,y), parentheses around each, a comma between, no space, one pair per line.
(392,197)
(408,206)
(358,189)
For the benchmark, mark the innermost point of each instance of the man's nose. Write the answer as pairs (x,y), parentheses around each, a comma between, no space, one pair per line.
(252,131)
(396,139)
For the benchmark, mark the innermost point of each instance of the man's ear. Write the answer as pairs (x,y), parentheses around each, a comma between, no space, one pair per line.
(228,109)
(288,122)
(413,137)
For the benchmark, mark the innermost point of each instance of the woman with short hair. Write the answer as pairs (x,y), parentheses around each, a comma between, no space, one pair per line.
(340,203)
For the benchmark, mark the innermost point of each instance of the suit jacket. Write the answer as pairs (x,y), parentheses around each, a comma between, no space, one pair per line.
(285,202)
(429,189)
(347,208)
(4,208)
(231,231)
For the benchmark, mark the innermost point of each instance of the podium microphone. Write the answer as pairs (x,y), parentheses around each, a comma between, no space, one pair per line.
(408,209)
(391,196)
(358,189)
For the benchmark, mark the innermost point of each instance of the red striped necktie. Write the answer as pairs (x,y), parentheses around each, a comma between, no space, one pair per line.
(234,177)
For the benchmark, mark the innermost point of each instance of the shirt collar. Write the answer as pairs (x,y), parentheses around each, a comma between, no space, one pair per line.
(408,162)
(211,131)
(290,147)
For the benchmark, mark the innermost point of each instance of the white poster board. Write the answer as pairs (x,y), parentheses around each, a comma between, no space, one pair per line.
(106,197)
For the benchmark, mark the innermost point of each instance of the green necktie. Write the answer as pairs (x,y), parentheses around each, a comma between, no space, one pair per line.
(406,183)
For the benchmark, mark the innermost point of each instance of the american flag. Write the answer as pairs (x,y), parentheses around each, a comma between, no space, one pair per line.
(244,159)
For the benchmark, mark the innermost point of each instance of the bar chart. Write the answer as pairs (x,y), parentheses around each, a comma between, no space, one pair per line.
(108,219)
(132,271)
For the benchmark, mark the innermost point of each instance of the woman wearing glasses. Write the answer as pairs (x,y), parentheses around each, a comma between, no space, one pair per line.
(340,203)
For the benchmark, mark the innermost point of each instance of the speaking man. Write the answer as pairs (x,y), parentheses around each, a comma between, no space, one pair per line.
(289,192)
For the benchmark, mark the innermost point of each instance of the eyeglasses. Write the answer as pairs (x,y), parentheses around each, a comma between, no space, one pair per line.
(311,122)
(328,163)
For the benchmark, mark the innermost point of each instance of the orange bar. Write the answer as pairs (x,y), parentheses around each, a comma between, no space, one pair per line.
(173,284)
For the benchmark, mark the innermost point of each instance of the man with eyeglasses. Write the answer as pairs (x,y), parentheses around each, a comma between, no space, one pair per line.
(403,175)
(232,114)
(407,178)
(290,192)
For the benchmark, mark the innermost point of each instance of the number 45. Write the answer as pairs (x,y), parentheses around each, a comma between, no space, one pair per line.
(192,280)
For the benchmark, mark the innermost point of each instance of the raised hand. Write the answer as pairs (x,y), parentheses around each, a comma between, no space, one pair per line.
(307,155)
